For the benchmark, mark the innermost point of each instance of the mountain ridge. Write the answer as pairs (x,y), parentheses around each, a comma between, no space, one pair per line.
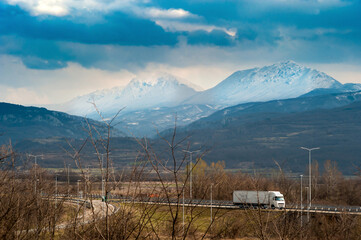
(245,136)
(165,90)
(19,122)
(293,105)
(152,103)
(278,81)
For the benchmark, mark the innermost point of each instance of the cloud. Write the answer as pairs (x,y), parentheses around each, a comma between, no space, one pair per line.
(215,37)
(48,43)
(39,7)
(114,34)
(157,13)
(62,48)
(22,96)
(116,28)
(65,7)
(176,26)
(53,86)
(302,5)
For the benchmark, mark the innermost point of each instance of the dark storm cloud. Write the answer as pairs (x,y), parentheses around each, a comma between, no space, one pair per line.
(115,28)
(302,29)
(303,13)
(256,15)
(37,40)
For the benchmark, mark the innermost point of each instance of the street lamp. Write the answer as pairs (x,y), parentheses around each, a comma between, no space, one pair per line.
(78,193)
(68,178)
(78,188)
(183,207)
(309,177)
(301,190)
(191,169)
(103,197)
(301,199)
(211,203)
(87,180)
(36,164)
(56,188)
(308,212)
(101,171)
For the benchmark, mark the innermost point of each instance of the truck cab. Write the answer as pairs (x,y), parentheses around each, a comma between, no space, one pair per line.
(277,200)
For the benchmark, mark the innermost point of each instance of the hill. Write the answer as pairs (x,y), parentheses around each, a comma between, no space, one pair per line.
(255,138)
(19,122)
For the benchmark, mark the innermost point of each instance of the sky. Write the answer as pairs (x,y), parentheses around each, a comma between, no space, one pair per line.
(54,50)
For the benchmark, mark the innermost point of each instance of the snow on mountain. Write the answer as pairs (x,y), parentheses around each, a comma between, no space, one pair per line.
(152,102)
(164,90)
(278,81)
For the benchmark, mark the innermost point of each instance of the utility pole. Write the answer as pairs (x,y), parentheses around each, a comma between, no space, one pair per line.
(191,171)
(211,203)
(56,189)
(309,178)
(301,200)
(78,193)
(101,171)
(35,186)
(35,165)
(183,207)
(87,180)
(68,178)
(308,212)
(103,196)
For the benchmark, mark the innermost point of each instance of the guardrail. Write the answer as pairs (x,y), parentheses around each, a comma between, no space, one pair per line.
(224,204)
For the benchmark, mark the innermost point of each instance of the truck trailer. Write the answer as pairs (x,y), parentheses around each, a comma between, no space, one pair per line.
(264,199)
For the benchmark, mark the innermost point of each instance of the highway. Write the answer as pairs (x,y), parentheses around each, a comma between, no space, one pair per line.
(316,208)
(322,209)
(96,209)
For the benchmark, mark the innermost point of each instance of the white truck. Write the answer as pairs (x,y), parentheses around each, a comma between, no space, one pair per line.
(264,199)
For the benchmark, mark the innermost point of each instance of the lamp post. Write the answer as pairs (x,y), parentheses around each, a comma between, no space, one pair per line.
(78,188)
(101,171)
(183,207)
(211,203)
(301,200)
(103,197)
(309,177)
(36,164)
(56,189)
(68,172)
(308,212)
(78,193)
(301,190)
(191,169)
(87,180)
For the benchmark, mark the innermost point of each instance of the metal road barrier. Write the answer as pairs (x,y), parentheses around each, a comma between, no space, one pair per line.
(355,210)
(229,204)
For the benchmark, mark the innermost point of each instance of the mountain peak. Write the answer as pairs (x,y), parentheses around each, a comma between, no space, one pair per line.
(146,91)
(281,80)
(152,80)
(287,63)
(278,81)
(162,80)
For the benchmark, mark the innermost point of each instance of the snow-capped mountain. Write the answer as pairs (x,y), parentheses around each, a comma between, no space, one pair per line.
(278,81)
(152,103)
(163,91)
